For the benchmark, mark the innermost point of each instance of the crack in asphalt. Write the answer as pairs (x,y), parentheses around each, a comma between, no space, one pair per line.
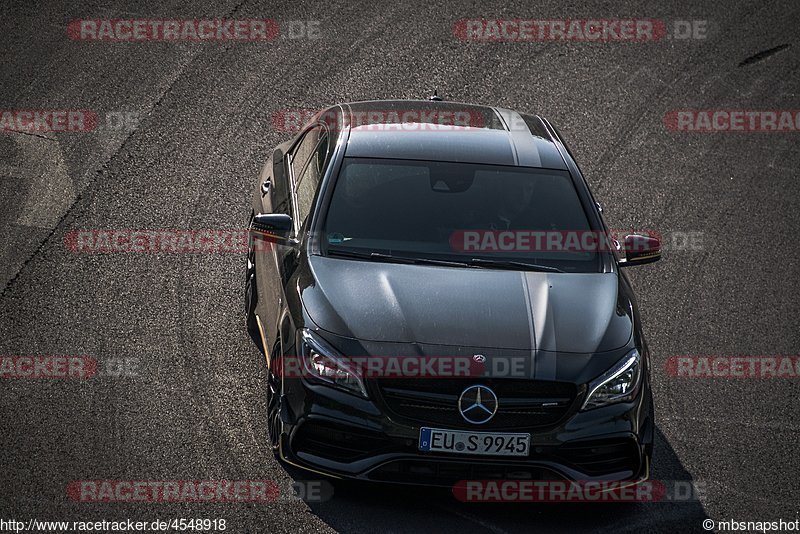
(764,54)
(40,136)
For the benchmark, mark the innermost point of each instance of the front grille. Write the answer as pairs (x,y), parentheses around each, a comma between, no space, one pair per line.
(597,458)
(340,443)
(446,473)
(521,403)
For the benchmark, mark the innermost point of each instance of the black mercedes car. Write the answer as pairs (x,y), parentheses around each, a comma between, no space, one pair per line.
(438,299)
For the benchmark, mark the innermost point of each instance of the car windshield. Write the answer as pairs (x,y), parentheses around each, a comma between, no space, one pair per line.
(467,214)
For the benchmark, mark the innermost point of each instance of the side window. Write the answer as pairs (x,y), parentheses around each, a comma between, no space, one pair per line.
(303,151)
(280,184)
(309,180)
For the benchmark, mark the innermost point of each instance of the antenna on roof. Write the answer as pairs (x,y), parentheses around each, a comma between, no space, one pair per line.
(434,97)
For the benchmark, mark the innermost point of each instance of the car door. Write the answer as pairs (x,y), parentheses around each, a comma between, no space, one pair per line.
(273,262)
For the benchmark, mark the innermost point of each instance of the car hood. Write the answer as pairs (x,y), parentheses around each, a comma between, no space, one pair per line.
(478,308)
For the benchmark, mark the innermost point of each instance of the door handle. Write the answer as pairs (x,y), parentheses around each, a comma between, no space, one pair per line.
(265,186)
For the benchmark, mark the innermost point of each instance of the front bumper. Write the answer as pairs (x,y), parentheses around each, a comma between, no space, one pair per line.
(335,434)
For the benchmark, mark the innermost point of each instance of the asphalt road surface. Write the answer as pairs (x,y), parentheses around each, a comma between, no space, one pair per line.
(183,129)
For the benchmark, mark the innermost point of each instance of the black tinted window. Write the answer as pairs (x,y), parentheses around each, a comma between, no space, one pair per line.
(436,210)
(310,177)
(280,184)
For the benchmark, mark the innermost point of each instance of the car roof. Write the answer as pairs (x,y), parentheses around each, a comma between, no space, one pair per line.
(448,131)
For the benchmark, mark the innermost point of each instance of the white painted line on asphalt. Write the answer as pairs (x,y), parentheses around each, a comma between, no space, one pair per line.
(42,168)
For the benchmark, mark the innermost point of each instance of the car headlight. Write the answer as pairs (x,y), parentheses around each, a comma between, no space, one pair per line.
(618,384)
(322,363)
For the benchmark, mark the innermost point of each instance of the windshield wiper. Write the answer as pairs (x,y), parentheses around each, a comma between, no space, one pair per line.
(378,256)
(474,262)
(511,264)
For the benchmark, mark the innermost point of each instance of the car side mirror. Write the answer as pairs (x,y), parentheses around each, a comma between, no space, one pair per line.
(273,227)
(640,249)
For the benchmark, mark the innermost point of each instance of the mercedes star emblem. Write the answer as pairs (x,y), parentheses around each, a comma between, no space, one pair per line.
(477,404)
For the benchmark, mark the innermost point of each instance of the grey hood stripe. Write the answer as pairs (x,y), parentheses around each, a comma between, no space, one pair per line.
(537,295)
(527,293)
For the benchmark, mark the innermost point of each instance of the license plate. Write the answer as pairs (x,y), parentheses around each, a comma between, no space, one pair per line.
(480,443)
